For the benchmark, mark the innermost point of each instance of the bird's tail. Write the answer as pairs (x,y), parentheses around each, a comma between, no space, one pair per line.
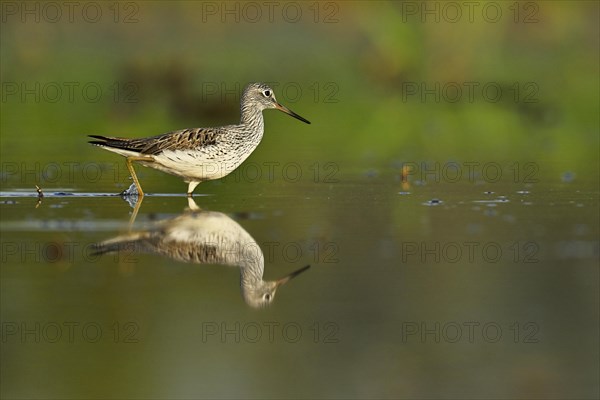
(107,141)
(133,242)
(123,146)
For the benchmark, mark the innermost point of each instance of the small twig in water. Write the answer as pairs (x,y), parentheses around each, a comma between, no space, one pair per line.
(40,196)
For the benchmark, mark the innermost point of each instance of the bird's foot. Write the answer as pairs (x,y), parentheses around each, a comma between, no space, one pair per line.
(131,195)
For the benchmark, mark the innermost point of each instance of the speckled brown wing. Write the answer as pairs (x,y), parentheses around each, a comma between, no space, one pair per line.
(179,140)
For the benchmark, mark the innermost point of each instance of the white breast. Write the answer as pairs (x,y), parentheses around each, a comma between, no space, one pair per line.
(197,164)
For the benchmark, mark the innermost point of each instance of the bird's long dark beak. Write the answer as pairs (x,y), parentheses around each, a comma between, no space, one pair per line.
(291,276)
(290,112)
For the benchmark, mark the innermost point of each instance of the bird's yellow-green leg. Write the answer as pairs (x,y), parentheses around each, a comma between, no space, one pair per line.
(132,171)
(191,186)
(134,214)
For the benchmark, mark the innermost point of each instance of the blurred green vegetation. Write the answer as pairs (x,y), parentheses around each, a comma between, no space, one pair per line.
(364,60)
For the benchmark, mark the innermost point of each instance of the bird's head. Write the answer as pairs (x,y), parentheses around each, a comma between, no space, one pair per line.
(262,293)
(260,95)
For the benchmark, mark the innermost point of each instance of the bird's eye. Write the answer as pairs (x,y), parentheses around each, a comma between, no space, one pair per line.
(267,93)
(267,296)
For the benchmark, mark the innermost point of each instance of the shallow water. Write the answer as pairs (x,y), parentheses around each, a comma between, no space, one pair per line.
(476,287)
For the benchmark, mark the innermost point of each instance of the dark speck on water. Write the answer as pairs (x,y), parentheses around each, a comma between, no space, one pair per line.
(567,177)
(433,202)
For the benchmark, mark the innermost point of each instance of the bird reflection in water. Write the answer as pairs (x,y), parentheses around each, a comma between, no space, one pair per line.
(205,237)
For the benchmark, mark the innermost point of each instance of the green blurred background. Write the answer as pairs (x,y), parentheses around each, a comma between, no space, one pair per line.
(167,66)
(357,70)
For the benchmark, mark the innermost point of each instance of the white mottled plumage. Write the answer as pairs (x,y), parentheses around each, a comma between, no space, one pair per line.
(201,154)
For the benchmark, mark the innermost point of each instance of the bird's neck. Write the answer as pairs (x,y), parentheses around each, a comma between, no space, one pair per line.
(252,118)
(251,271)
(252,266)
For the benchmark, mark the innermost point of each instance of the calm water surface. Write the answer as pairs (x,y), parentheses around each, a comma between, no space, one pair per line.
(413,291)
